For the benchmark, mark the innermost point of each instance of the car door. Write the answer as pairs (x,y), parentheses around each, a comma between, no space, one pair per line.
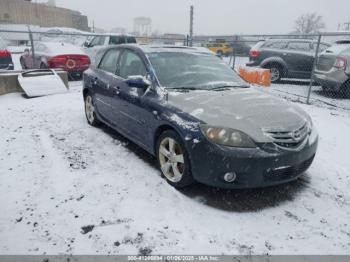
(300,58)
(131,102)
(103,82)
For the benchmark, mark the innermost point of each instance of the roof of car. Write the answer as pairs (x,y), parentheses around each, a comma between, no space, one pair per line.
(168,48)
(291,39)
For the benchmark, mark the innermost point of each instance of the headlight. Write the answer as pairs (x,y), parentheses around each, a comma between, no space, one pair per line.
(227,137)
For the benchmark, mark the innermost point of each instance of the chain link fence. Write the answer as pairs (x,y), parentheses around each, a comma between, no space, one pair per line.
(313,68)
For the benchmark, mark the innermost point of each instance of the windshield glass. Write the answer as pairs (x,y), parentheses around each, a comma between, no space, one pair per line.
(193,71)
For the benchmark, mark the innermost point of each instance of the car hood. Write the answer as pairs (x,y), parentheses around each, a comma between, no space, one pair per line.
(246,109)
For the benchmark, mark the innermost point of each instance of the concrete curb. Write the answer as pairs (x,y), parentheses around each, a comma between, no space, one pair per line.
(9,81)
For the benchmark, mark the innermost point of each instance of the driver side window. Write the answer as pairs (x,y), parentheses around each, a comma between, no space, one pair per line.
(131,65)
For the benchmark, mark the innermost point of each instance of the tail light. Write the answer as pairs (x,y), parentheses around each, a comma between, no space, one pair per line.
(69,62)
(5,54)
(254,53)
(340,63)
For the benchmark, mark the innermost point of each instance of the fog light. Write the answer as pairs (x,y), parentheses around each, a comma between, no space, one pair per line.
(230,177)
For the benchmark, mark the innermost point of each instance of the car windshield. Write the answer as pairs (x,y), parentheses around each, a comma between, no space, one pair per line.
(193,71)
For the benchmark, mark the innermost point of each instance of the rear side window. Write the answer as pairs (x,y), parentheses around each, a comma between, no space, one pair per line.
(131,65)
(109,61)
(299,46)
(131,40)
(117,40)
(99,40)
(275,45)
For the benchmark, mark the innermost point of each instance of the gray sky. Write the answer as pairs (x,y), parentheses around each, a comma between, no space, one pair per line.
(211,17)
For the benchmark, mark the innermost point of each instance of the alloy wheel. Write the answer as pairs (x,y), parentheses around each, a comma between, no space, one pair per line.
(171,159)
(89,109)
(275,74)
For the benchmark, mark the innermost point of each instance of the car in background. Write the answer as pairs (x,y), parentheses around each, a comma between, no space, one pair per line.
(95,43)
(221,49)
(286,58)
(6,62)
(56,55)
(333,68)
(188,108)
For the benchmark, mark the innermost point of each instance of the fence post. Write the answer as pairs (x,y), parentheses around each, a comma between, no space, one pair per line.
(313,68)
(235,38)
(32,44)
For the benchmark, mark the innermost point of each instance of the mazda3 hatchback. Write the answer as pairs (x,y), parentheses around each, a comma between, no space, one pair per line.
(198,117)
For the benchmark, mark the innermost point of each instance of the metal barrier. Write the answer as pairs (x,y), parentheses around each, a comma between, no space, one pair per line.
(302,90)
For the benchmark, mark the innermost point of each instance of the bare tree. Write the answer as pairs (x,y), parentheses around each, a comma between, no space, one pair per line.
(310,23)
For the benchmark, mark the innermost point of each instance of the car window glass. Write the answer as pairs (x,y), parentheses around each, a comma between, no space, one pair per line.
(180,69)
(299,46)
(99,40)
(109,61)
(131,65)
(117,40)
(322,47)
(275,45)
(131,40)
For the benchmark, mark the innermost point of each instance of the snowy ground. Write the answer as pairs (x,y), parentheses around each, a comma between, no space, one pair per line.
(69,188)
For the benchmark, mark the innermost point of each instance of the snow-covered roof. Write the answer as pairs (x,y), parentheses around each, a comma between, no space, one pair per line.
(56,48)
(172,48)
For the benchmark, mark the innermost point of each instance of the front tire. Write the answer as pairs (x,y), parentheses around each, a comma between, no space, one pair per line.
(173,160)
(90,112)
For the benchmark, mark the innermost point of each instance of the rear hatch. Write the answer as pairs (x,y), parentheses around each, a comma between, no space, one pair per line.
(328,57)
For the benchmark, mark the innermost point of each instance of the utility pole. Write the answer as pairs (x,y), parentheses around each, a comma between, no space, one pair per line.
(191,26)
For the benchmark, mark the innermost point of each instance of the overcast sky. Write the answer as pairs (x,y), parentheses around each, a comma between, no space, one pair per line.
(211,17)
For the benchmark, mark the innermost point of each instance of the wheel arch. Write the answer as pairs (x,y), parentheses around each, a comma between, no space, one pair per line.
(275,61)
(159,131)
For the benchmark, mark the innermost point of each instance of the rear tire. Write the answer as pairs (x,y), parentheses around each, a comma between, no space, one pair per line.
(90,112)
(173,160)
(276,73)
(43,66)
(345,89)
(23,64)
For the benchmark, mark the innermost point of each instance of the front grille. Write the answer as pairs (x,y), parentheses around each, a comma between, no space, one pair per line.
(325,63)
(289,139)
(288,172)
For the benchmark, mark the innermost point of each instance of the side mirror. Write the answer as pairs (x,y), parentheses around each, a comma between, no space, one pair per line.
(138,82)
(86,44)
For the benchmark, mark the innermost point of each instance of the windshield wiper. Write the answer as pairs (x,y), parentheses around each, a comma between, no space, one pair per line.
(226,87)
(183,89)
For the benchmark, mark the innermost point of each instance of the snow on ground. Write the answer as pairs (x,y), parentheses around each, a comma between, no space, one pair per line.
(70,188)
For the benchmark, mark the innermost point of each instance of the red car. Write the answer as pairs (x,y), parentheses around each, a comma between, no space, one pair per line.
(5,57)
(56,56)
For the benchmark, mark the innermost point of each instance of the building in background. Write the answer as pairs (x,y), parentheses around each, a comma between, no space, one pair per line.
(44,15)
(142,26)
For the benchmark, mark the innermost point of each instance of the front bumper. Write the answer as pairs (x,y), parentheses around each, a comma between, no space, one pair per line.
(253,167)
(333,79)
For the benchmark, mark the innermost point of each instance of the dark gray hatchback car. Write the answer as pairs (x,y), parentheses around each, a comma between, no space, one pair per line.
(286,58)
(188,108)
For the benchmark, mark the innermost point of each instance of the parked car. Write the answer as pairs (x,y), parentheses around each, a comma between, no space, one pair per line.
(286,58)
(94,44)
(333,68)
(221,49)
(6,62)
(188,108)
(56,55)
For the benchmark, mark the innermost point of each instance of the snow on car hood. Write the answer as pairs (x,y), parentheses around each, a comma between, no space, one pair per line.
(244,109)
